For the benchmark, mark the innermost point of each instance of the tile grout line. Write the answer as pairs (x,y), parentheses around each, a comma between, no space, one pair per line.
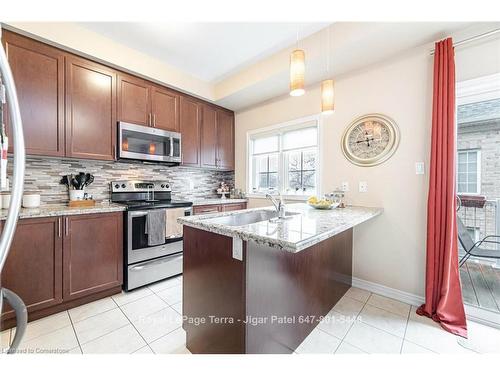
(74,331)
(355,319)
(406,328)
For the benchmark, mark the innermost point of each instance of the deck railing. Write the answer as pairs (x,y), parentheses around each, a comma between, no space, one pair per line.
(483,221)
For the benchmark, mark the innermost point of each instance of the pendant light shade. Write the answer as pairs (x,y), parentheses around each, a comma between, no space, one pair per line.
(297,69)
(327,96)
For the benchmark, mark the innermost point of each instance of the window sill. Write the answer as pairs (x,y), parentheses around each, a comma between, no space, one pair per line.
(285,197)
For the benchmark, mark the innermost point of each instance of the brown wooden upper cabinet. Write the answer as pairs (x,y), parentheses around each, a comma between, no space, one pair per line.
(209,137)
(225,139)
(216,135)
(190,119)
(38,71)
(144,103)
(90,110)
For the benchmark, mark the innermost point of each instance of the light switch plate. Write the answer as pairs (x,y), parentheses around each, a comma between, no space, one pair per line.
(419,167)
(363,186)
(345,186)
(237,248)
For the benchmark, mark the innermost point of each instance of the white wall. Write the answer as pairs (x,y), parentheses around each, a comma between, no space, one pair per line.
(390,249)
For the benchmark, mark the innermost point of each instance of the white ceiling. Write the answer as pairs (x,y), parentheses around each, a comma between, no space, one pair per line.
(208,51)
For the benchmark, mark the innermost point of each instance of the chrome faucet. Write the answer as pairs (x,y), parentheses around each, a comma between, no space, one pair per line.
(279,205)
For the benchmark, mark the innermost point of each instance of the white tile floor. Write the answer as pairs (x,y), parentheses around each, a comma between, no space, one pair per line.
(149,320)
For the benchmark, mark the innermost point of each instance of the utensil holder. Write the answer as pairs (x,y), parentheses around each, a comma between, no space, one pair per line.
(76,195)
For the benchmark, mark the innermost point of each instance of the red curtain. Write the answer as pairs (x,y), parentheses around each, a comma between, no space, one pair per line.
(443,295)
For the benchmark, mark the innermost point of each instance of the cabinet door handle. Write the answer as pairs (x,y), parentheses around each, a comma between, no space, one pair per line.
(149,120)
(59,227)
(66,226)
(154,120)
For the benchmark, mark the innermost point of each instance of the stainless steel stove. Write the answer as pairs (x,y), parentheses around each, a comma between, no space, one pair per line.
(144,264)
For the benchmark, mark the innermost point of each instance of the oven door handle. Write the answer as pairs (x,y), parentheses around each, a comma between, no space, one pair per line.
(137,213)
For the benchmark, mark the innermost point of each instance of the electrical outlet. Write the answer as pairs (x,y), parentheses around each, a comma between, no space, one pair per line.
(363,186)
(345,186)
(419,167)
(237,248)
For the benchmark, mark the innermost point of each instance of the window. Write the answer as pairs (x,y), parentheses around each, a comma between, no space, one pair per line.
(469,172)
(284,159)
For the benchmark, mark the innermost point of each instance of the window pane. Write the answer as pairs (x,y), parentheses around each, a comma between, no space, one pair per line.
(462,168)
(309,160)
(462,188)
(300,138)
(472,187)
(262,163)
(265,144)
(294,183)
(273,180)
(472,157)
(262,181)
(462,157)
(462,177)
(273,163)
(309,181)
(292,161)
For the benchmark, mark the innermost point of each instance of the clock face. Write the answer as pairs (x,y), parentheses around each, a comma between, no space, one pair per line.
(370,140)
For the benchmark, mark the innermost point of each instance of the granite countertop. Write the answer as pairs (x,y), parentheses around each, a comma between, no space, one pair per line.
(63,210)
(308,228)
(208,201)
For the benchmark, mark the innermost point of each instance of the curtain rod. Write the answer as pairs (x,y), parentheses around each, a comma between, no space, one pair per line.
(472,38)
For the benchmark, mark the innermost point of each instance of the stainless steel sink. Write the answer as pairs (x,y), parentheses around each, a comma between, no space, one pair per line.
(247,218)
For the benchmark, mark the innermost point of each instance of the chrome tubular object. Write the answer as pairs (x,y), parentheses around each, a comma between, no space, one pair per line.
(16,195)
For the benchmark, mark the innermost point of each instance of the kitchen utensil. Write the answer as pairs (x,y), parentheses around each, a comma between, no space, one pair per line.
(31,200)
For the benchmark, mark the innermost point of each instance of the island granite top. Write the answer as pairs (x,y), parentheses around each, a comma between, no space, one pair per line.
(63,210)
(308,228)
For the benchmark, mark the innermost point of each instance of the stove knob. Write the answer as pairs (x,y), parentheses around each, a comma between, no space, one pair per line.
(167,186)
(124,186)
(117,186)
(162,185)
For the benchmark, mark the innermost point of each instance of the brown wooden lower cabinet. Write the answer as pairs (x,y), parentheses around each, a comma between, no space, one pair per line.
(214,208)
(57,263)
(34,267)
(93,254)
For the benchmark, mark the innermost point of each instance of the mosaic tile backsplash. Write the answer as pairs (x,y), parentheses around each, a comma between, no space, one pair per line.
(43,174)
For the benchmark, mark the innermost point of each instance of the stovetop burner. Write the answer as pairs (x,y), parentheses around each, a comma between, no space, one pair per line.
(144,195)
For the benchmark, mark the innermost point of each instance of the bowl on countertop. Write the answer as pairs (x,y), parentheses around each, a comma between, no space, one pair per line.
(322,204)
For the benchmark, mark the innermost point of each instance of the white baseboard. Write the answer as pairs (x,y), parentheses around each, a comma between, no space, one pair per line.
(475,314)
(385,291)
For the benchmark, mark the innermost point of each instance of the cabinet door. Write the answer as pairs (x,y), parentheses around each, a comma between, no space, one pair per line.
(209,137)
(93,254)
(90,110)
(134,100)
(190,129)
(165,108)
(225,138)
(33,269)
(38,71)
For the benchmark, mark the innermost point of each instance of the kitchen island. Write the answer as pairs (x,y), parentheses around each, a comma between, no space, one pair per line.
(254,284)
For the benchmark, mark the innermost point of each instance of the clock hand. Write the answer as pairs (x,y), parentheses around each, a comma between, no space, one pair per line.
(366,140)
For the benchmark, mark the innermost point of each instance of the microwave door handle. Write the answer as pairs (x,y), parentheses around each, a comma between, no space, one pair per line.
(171,146)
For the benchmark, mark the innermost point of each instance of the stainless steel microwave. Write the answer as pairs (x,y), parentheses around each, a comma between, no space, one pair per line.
(137,142)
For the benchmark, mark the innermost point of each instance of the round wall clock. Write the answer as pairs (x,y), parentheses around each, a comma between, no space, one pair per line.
(370,140)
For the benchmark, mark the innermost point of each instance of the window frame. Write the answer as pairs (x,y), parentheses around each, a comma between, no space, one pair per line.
(279,129)
(478,171)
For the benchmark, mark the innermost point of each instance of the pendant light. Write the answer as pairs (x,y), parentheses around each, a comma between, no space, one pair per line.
(297,70)
(327,86)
